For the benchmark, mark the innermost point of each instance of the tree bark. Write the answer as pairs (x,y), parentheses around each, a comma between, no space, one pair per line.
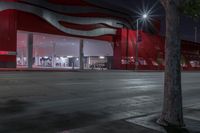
(172,113)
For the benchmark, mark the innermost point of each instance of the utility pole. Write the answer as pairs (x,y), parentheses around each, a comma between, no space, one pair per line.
(136,48)
(127,47)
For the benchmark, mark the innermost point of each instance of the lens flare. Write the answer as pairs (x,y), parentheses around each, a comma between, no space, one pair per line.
(146,14)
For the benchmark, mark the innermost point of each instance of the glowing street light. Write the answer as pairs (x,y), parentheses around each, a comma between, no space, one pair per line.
(145,16)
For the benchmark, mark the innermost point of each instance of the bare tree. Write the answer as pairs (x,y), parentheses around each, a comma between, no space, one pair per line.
(172,113)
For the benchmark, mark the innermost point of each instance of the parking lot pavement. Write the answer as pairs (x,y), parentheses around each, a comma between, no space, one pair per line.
(56,101)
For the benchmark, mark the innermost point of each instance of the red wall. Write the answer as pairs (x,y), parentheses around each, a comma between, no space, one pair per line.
(8,37)
(151,50)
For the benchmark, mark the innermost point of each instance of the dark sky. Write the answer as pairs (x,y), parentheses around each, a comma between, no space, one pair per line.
(187,24)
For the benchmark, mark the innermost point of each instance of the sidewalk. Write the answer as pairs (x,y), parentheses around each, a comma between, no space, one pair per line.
(37,70)
(120,126)
(144,124)
(147,124)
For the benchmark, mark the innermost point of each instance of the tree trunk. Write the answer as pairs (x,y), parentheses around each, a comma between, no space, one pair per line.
(172,113)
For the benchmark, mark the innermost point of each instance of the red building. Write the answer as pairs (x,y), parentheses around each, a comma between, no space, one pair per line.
(82,20)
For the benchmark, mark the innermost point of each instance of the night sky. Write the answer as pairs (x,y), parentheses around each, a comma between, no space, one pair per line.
(187,24)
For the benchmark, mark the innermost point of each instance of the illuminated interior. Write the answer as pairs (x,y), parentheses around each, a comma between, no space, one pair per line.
(53,51)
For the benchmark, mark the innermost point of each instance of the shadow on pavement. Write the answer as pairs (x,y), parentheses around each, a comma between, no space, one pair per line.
(13,106)
(176,130)
(49,122)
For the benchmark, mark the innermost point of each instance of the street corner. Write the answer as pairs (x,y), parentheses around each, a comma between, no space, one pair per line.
(149,121)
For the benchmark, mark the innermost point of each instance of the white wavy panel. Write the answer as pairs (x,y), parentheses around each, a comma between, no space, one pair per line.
(54,18)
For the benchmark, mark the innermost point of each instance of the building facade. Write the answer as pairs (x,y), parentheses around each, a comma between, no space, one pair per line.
(38,33)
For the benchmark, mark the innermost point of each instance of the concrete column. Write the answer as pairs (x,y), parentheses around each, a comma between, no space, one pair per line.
(37,60)
(81,54)
(30,50)
(54,56)
(23,56)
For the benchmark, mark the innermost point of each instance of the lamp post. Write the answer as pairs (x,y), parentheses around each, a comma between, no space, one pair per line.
(137,40)
(127,43)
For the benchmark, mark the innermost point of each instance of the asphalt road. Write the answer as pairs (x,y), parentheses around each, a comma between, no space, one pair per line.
(56,101)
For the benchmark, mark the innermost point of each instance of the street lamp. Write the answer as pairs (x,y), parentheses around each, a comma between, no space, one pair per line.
(127,46)
(144,16)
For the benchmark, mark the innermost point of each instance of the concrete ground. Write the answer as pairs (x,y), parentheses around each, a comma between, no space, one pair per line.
(87,102)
